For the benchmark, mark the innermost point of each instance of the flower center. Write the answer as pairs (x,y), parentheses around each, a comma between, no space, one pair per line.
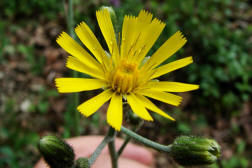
(124,77)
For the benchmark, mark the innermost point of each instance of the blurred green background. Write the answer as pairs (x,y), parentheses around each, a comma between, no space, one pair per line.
(219,34)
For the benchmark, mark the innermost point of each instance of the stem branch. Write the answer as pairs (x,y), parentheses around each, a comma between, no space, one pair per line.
(123,145)
(146,141)
(127,140)
(108,138)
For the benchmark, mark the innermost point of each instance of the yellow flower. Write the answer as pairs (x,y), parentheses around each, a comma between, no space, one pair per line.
(125,72)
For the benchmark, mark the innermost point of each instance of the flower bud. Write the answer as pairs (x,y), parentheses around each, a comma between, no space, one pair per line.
(195,151)
(56,152)
(82,163)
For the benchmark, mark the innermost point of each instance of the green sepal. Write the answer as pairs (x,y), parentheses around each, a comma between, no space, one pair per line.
(82,163)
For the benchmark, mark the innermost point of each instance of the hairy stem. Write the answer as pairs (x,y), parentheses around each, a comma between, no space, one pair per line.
(127,140)
(108,138)
(125,143)
(146,141)
(69,11)
(112,150)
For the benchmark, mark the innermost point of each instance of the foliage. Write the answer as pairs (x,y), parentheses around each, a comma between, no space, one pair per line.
(219,46)
(16,142)
(23,8)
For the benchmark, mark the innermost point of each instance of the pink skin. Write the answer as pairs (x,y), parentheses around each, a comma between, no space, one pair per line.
(133,156)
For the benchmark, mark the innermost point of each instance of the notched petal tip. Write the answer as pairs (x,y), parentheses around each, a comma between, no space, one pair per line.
(67,61)
(98,11)
(56,82)
(117,128)
(79,26)
(150,119)
(81,110)
(179,101)
(172,119)
(190,58)
(102,11)
(169,117)
(61,36)
(196,87)
(181,36)
(58,85)
(162,24)
(145,12)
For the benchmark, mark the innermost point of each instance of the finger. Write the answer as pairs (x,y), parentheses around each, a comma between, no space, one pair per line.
(104,162)
(84,146)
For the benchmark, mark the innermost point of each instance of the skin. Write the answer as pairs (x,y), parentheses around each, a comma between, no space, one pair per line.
(133,155)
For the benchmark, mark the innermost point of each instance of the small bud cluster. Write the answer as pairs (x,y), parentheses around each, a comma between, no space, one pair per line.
(82,163)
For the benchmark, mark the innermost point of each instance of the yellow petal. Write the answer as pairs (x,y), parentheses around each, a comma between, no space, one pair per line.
(171,86)
(144,17)
(136,36)
(107,29)
(172,45)
(69,85)
(72,47)
(115,112)
(138,108)
(92,105)
(75,64)
(164,69)
(90,41)
(148,37)
(161,96)
(148,104)
(128,35)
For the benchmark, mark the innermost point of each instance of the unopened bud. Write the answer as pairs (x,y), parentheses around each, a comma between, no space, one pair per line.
(195,151)
(56,152)
(82,163)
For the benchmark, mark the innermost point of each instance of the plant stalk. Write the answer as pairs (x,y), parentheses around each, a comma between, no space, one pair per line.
(127,140)
(112,150)
(147,142)
(69,11)
(107,139)
(125,143)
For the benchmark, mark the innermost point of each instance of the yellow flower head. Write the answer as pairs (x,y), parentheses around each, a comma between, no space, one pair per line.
(124,72)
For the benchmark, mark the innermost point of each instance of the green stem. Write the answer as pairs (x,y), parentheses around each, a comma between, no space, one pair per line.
(145,141)
(123,146)
(127,140)
(70,18)
(112,150)
(70,23)
(108,138)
